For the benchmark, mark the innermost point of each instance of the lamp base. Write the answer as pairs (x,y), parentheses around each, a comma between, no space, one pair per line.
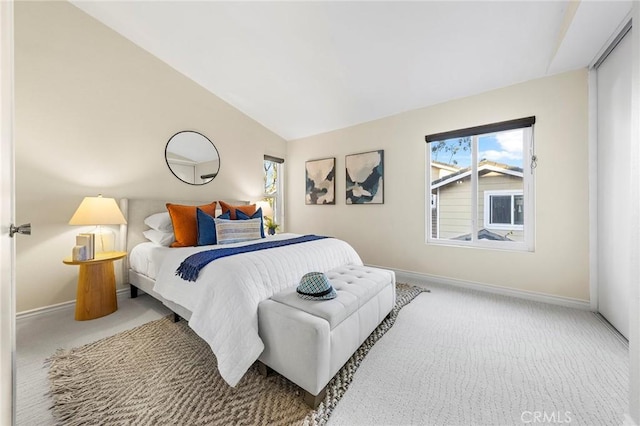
(105,240)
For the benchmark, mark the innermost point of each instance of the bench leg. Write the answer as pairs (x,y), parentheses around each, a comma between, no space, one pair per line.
(133,290)
(263,369)
(314,400)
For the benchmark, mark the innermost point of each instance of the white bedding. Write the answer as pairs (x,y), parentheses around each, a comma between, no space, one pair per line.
(146,258)
(224,299)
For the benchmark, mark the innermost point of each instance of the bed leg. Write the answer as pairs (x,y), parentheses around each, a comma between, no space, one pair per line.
(134,291)
(176,317)
(314,400)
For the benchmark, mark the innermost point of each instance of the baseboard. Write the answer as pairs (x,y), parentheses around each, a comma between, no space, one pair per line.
(69,305)
(425,279)
(401,275)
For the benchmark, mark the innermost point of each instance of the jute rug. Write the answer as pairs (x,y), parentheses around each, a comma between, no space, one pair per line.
(162,373)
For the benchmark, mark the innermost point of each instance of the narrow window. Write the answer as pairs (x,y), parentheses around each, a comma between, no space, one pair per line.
(273,188)
(480,186)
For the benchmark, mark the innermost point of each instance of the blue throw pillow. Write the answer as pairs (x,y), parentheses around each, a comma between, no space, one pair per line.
(207,227)
(240,215)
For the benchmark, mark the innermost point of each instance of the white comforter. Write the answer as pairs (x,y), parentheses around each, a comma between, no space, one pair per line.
(224,299)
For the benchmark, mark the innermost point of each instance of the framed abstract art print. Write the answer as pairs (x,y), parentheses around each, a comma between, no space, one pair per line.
(320,181)
(365,178)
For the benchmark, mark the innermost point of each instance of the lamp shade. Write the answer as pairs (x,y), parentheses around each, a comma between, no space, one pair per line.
(98,211)
(266,208)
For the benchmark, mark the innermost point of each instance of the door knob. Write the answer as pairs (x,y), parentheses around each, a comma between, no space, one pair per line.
(22,229)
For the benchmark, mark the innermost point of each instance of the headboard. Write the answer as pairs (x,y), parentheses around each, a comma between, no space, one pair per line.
(135,210)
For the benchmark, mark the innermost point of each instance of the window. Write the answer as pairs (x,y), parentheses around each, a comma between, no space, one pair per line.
(480,186)
(273,188)
(503,209)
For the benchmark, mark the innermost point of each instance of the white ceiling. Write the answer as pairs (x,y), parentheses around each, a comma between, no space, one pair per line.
(304,68)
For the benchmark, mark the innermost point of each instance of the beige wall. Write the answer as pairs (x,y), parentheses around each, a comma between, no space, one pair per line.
(93,115)
(94,112)
(393,234)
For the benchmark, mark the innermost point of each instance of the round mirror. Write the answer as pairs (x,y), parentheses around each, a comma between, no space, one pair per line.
(192,157)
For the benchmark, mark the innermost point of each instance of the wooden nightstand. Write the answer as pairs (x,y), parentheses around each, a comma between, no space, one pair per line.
(96,294)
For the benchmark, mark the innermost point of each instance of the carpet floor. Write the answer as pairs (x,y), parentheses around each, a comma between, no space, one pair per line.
(39,336)
(463,357)
(162,373)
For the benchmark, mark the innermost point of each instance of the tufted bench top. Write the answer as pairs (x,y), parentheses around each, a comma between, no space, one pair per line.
(355,286)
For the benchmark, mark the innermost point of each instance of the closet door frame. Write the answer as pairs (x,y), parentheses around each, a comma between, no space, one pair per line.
(632,414)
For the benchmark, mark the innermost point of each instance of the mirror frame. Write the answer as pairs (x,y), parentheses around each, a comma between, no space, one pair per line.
(208,177)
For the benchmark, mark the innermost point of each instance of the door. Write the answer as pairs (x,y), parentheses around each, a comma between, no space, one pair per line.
(7,247)
(614,188)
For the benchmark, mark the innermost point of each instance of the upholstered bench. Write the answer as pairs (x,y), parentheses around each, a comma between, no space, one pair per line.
(308,341)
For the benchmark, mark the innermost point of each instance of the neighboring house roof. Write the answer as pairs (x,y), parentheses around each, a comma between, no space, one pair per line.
(484,167)
(445,166)
(483,234)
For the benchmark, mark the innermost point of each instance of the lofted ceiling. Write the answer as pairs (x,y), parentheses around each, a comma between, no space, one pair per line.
(304,68)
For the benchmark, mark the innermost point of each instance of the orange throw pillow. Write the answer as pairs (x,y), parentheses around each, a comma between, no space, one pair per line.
(185,225)
(249,209)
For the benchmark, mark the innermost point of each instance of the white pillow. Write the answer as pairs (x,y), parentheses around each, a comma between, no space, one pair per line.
(235,231)
(159,237)
(160,222)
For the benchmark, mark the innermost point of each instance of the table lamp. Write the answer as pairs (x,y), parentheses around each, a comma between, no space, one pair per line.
(99,211)
(267,214)
(266,208)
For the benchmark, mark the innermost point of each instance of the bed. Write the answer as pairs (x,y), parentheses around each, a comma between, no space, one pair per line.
(225,315)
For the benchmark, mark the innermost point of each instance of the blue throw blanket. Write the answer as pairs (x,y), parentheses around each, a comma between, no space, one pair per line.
(191,266)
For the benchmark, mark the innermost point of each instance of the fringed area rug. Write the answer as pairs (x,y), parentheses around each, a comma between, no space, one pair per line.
(162,373)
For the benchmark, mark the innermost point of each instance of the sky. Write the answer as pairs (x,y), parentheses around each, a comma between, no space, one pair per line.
(502,147)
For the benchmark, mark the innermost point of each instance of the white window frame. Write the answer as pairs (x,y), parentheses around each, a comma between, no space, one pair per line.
(528,193)
(487,210)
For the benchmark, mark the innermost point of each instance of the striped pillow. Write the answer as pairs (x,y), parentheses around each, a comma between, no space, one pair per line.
(236,231)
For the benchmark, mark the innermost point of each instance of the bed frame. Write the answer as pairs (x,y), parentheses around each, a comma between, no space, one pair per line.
(135,210)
